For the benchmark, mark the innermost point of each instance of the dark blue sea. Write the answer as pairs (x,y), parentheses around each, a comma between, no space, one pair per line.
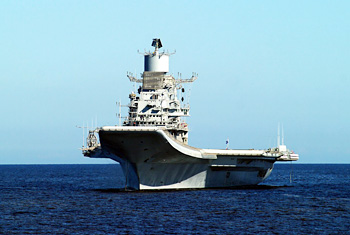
(89,199)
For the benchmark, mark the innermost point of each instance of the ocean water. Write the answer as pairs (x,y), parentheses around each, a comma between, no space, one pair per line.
(89,199)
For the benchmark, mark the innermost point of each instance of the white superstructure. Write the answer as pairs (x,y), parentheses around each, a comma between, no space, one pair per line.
(152,144)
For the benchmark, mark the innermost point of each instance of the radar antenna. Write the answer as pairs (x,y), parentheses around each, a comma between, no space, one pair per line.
(157,43)
(192,79)
(132,78)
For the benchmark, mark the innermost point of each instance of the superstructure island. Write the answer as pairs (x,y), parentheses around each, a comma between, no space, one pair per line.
(152,143)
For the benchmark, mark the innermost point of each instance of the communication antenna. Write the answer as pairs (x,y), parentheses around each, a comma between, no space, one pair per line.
(83,134)
(96,120)
(119,114)
(134,82)
(83,127)
(278,135)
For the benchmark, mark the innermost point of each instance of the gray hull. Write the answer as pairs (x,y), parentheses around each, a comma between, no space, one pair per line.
(151,159)
(151,144)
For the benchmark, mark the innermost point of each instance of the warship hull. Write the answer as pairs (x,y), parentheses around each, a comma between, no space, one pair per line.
(152,143)
(152,159)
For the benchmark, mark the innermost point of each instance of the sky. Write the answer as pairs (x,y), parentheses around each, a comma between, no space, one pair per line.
(64,64)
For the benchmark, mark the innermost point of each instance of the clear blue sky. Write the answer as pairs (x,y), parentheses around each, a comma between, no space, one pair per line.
(63,63)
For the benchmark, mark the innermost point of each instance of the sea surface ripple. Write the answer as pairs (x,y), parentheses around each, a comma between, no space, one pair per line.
(89,199)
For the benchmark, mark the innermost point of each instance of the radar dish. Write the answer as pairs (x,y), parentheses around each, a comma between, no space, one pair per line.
(157,43)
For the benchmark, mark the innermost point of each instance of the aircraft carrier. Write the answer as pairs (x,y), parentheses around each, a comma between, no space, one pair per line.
(151,144)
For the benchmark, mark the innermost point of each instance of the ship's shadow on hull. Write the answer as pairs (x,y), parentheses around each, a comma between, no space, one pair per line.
(251,187)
